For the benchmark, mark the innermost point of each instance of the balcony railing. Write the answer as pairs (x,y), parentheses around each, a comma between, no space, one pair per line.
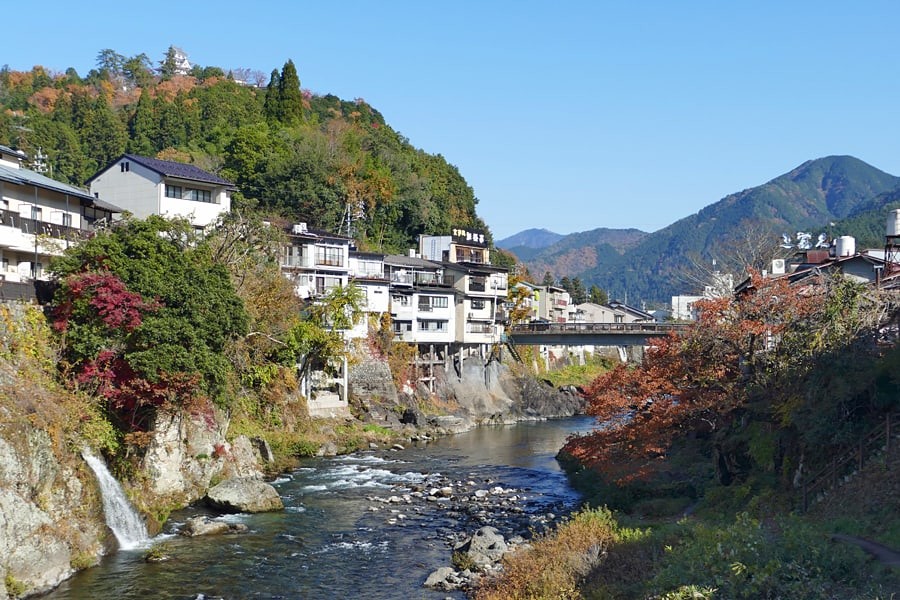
(480,328)
(32,226)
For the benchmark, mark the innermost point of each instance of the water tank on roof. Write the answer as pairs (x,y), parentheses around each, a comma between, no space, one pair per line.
(845,246)
(893,222)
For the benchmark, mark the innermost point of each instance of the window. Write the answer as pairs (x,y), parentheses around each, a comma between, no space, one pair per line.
(434,326)
(329,256)
(38,270)
(197,195)
(620,318)
(4,264)
(477,304)
(293,256)
(66,220)
(36,213)
(325,283)
(173,191)
(427,303)
(477,284)
(124,166)
(402,326)
(400,300)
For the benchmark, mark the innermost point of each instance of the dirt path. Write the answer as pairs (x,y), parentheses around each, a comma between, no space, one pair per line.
(886,556)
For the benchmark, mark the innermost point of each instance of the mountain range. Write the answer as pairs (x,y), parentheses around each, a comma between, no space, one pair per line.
(835,195)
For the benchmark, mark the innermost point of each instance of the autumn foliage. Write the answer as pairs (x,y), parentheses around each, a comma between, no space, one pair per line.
(744,355)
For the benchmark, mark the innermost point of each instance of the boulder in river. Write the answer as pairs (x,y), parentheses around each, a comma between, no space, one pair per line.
(242,494)
(205,526)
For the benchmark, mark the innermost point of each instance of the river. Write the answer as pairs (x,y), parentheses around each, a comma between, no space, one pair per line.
(339,538)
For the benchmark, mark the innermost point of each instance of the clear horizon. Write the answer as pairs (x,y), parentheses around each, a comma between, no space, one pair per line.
(567,118)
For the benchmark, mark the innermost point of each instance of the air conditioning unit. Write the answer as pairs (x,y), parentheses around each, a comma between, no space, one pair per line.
(471,315)
(778,266)
(298,228)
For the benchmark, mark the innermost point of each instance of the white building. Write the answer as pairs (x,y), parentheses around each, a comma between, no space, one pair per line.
(316,261)
(149,186)
(40,217)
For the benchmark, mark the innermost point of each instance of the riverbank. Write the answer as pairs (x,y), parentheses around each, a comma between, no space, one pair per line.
(52,500)
(371,524)
(732,542)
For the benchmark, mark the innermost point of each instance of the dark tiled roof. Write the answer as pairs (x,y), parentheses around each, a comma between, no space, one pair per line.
(170,168)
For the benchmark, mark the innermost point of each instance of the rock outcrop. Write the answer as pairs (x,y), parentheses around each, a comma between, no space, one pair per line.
(244,494)
(51,521)
(187,452)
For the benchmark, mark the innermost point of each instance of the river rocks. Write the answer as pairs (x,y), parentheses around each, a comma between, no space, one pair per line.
(484,548)
(244,495)
(197,526)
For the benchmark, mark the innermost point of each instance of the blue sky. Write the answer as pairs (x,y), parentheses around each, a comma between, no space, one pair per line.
(567,115)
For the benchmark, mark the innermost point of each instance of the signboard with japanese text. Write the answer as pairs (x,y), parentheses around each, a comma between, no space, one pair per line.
(469,237)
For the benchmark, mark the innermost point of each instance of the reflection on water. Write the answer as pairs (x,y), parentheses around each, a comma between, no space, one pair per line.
(333,539)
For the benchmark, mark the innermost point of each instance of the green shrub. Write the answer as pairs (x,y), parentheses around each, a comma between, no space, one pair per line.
(747,560)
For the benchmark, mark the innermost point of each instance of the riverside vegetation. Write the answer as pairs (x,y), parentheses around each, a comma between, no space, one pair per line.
(695,479)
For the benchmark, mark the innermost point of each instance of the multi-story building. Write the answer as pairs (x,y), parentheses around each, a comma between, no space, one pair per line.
(423,303)
(40,217)
(148,186)
(316,261)
(481,288)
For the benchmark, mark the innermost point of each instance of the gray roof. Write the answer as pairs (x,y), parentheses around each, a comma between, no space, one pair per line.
(410,261)
(169,168)
(26,177)
(8,150)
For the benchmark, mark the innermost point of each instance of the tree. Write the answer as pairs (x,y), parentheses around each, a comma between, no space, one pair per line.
(741,369)
(272,104)
(598,296)
(577,291)
(138,70)
(145,317)
(168,67)
(548,279)
(290,97)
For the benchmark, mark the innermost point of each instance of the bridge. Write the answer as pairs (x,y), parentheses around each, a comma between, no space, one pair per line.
(589,334)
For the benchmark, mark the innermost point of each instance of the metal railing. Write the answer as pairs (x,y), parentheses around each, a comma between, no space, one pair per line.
(850,460)
(36,227)
(564,328)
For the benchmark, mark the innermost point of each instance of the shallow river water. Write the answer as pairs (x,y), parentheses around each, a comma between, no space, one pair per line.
(335,539)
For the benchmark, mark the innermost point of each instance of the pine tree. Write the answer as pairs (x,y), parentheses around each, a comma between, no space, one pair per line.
(548,279)
(272,105)
(143,127)
(290,98)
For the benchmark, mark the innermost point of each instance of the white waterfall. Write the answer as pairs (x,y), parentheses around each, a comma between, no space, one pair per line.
(120,516)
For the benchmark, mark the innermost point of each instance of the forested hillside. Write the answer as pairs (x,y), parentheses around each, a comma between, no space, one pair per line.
(658,265)
(308,157)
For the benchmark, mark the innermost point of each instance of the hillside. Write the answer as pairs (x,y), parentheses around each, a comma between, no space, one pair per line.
(530,238)
(807,198)
(867,222)
(307,157)
(579,252)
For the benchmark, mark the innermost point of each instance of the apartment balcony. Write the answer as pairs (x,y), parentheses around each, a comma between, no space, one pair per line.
(36,227)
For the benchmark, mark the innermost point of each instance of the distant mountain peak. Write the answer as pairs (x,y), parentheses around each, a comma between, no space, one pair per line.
(530,238)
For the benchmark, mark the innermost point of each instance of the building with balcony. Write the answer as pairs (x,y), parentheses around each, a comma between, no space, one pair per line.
(40,217)
(316,261)
(148,186)
(462,246)
(481,295)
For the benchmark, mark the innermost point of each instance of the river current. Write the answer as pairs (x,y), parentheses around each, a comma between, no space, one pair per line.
(338,537)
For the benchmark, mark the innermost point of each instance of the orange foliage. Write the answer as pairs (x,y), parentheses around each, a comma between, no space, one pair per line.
(171,88)
(690,383)
(45,99)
